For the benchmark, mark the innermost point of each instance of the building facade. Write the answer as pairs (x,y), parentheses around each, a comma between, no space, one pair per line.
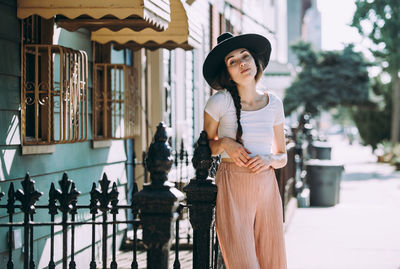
(84,90)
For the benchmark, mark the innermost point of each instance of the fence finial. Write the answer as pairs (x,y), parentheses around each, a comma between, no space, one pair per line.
(158,202)
(202,160)
(201,195)
(159,160)
(28,196)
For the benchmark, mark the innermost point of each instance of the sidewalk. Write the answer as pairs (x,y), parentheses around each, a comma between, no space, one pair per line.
(362,231)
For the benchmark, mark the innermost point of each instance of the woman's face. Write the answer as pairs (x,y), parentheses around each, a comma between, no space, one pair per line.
(241,66)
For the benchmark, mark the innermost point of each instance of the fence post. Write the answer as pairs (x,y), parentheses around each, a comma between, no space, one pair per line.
(28,197)
(158,202)
(201,196)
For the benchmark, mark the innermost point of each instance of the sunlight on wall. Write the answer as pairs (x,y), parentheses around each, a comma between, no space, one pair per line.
(13,132)
(13,138)
(8,157)
(56,35)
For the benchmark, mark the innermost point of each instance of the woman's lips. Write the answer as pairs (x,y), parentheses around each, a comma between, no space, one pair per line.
(244,71)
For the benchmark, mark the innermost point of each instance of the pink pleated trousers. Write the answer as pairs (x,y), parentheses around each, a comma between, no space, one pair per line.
(249,219)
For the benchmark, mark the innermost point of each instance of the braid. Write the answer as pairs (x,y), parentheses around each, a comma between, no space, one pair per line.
(236,101)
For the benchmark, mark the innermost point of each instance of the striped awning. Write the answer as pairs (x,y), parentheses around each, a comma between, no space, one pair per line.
(183,32)
(96,14)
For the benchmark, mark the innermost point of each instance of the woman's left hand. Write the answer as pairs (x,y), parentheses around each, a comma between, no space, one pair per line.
(258,164)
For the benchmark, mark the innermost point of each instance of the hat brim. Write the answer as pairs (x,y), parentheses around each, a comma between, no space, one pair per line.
(214,61)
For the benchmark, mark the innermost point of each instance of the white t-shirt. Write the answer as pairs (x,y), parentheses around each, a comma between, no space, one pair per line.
(257,125)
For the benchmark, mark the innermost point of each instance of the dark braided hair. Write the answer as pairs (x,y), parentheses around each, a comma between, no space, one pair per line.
(225,82)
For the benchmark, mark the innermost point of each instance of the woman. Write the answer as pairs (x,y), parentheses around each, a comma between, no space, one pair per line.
(245,126)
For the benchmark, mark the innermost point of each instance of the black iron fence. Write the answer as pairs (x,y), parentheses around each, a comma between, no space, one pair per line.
(155,209)
(64,201)
(286,177)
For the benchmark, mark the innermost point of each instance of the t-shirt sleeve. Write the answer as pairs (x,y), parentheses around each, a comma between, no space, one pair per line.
(279,112)
(215,106)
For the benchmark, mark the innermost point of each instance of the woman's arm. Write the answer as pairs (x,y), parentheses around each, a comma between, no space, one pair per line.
(211,127)
(279,157)
(236,151)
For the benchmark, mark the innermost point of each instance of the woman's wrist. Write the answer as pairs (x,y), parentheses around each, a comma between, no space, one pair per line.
(275,160)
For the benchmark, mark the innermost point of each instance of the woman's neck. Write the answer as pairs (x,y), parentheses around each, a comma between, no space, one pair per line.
(248,93)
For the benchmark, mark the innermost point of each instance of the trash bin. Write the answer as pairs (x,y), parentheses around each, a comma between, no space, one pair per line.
(321,150)
(323,178)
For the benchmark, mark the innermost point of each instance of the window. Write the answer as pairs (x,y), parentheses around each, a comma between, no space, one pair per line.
(54,103)
(115,101)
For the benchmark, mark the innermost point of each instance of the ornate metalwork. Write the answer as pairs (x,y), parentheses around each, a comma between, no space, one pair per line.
(54,89)
(177,264)
(10,210)
(68,195)
(52,211)
(65,201)
(159,160)
(115,101)
(135,213)
(158,202)
(107,200)
(103,196)
(28,196)
(201,196)
(202,157)
(93,210)
(11,200)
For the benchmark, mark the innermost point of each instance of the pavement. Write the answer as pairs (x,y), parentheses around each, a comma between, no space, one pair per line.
(361,231)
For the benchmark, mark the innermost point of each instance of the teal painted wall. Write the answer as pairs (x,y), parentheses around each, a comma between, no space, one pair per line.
(82,163)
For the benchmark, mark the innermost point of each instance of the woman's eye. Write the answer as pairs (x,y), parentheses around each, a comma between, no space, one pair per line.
(232,62)
(246,56)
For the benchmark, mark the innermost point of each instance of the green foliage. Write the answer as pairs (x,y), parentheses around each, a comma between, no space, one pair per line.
(327,79)
(373,122)
(379,20)
(384,18)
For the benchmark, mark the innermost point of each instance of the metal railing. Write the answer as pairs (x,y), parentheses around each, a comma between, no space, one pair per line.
(286,177)
(155,208)
(64,201)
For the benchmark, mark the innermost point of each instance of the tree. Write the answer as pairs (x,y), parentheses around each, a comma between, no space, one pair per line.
(373,122)
(327,79)
(383,17)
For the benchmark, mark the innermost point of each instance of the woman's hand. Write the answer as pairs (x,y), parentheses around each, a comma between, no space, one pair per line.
(236,151)
(258,164)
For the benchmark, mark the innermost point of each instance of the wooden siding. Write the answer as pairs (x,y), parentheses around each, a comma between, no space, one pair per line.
(82,163)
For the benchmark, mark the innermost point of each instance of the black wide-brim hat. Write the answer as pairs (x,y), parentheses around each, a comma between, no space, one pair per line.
(215,60)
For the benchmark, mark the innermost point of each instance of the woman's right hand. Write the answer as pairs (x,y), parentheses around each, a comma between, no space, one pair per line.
(237,152)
